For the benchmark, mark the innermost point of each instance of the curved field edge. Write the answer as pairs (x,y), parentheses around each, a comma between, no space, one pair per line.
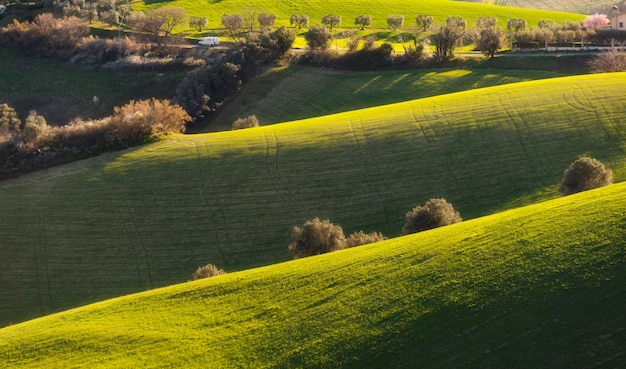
(350,9)
(149,217)
(540,286)
(298,92)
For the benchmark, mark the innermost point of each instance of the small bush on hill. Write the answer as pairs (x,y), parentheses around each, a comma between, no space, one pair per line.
(138,120)
(318,37)
(361,238)
(39,146)
(316,237)
(585,174)
(207,271)
(435,213)
(34,126)
(610,61)
(247,122)
(9,122)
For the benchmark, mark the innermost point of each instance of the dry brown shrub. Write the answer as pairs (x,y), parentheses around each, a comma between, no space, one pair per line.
(207,271)
(610,61)
(585,174)
(316,237)
(435,213)
(250,121)
(361,238)
(142,119)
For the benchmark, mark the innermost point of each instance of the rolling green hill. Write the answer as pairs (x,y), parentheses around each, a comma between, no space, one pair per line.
(575,6)
(350,9)
(149,216)
(61,92)
(303,92)
(536,287)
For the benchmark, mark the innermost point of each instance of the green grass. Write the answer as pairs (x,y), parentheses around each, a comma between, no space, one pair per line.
(536,287)
(349,9)
(148,217)
(61,91)
(576,6)
(303,92)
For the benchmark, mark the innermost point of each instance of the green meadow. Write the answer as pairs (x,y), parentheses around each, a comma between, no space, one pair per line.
(298,92)
(147,217)
(350,9)
(61,91)
(536,287)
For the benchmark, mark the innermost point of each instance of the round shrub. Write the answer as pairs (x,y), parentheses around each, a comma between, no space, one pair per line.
(250,121)
(585,174)
(361,238)
(207,271)
(435,213)
(316,237)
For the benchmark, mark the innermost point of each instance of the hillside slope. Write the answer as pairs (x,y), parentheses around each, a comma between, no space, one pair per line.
(148,217)
(350,9)
(299,92)
(536,287)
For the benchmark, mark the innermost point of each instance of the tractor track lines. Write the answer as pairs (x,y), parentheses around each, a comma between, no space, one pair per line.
(443,164)
(522,129)
(274,174)
(579,104)
(41,259)
(128,233)
(203,191)
(367,163)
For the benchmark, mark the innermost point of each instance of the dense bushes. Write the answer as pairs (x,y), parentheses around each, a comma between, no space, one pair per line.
(250,121)
(207,271)
(35,145)
(585,174)
(316,237)
(67,39)
(610,61)
(321,236)
(435,213)
(205,89)
(361,238)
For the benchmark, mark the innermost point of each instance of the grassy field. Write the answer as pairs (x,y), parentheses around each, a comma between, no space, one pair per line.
(536,287)
(148,217)
(575,6)
(350,9)
(304,92)
(61,91)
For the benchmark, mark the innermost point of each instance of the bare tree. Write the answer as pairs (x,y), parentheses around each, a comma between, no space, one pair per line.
(234,23)
(266,21)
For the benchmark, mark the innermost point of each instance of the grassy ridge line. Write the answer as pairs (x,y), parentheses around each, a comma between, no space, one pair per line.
(349,9)
(490,292)
(303,92)
(147,218)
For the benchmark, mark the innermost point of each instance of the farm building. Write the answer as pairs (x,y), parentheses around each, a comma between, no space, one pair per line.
(209,41)
(618,20)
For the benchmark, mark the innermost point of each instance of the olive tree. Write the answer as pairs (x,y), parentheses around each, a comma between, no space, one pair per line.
(331,20)
(395,21)
(363,21)
(318,37)
(424,22)
(489,41)
(299,20)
